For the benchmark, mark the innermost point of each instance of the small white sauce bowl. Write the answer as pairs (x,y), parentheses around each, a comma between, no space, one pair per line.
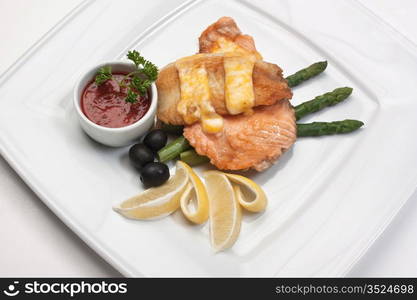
(114,137)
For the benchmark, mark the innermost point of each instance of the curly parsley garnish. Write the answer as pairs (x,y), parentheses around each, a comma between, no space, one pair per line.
(103,74)
(145,66)
(131,97)
(140,79)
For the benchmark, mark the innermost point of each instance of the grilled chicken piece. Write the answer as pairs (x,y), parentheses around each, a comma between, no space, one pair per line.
(224,36)
(253,141)
(268,84)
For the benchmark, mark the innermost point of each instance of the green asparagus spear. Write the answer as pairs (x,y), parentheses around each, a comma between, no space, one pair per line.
(192,158)
(322,101)
(327,128)
(307,73)
(172,129)
(173,149)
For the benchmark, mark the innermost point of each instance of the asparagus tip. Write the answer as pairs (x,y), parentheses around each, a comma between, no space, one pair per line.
(357,123)
(346,90)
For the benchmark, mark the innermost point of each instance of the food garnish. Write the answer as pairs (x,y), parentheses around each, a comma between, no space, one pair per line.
(140,155)
(156,201)
(154,174)
(195,196)
(103,74)
(137,82)
(173,149)
(220,200)
(322,101)
(144,66)
(328,128)
(306,73)
(248,193)
(155,139)
(225,211)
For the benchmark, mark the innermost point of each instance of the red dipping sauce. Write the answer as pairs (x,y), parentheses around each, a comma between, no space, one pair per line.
(105,105)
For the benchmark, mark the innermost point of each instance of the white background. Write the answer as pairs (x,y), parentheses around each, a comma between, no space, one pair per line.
(36,243)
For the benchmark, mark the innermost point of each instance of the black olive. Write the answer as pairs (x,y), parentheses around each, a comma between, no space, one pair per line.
(140,155)
(154,174)
(155,139)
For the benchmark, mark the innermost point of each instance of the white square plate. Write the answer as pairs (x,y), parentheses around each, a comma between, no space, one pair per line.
(329,197)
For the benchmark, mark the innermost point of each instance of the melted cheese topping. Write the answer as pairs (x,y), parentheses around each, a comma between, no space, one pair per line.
(238,66)
(212,122)
(195,103)
(238,87)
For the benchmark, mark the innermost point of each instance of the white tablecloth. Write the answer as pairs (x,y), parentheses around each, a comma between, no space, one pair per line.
(36,243)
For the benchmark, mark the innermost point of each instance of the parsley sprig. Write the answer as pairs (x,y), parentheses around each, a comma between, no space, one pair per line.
(140,79)
(146,67)
(103,74)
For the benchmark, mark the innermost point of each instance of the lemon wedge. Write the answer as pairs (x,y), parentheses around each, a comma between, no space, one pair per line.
(248,193)
(158,201)
(224,211)
(195,195)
